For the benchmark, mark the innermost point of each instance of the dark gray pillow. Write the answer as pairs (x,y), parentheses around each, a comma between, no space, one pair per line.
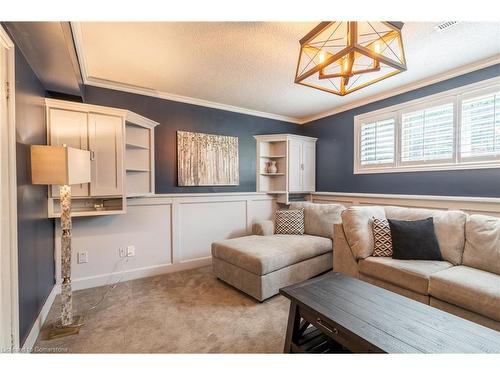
(414,240)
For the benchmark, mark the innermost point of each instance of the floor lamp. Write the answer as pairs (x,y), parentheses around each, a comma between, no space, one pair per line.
(63,166)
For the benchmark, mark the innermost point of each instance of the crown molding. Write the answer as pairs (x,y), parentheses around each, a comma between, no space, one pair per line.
(99,82)
(113,85)
(406,88)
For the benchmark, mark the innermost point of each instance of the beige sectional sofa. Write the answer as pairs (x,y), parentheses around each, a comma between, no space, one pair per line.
(466,283)
(264,262)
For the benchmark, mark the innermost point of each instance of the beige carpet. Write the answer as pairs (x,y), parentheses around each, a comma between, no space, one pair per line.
(184,312)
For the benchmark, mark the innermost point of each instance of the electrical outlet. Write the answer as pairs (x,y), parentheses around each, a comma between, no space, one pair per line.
(122,252)
(131,251)
(83,257)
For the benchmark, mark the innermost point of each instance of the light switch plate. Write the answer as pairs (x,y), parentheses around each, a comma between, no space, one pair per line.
(82,257)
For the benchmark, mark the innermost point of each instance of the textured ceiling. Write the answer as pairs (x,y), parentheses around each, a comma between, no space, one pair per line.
(252,64)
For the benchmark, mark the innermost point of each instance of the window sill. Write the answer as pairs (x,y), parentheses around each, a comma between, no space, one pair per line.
(428,168)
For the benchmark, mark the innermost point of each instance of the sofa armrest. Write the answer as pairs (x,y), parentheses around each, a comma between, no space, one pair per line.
(344,260)
(263,227)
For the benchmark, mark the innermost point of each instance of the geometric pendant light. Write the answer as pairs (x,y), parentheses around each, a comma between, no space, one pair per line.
(340,57)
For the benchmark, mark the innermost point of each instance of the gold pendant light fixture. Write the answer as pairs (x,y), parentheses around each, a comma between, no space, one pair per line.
(340,57)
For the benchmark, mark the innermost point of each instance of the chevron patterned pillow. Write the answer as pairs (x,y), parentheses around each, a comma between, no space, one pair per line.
(289,222)
(382,239)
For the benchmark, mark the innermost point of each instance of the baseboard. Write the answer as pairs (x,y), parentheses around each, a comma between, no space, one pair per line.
(137,273)
(30,341)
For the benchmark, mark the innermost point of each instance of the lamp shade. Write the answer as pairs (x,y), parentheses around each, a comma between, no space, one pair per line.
(59,165)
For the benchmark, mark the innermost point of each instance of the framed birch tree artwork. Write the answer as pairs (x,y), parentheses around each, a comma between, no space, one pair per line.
(207,159)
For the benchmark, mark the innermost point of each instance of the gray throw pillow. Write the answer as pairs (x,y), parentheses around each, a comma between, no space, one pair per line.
(414,240)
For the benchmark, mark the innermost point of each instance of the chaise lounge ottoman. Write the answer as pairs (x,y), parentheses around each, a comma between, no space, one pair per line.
(264,262)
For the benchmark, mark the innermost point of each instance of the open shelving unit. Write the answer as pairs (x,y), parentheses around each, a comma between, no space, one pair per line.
(84,206)
(272,149)
(294,156)
(139,155)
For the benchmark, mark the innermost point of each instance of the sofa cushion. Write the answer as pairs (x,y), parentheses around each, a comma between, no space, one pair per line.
(409,274)
(357,223)
(482,243)
(263,254)
(319,218)
(469,288)
(448,225)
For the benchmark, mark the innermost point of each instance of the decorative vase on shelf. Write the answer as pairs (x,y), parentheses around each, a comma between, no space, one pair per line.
(271,167)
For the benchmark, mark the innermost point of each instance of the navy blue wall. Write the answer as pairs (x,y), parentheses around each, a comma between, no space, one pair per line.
(35,231)
(174,116)
(334,166)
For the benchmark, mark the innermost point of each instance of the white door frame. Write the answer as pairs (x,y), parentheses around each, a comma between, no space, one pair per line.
(9,293)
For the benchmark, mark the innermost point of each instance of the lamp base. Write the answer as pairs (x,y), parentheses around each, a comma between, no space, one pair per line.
(57,330)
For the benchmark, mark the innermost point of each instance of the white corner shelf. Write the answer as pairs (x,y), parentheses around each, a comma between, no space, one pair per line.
(295,158)
(139,156)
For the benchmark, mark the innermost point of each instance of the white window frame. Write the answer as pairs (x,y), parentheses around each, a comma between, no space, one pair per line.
(455,96)
(357,145)
(419,107)
(480,92)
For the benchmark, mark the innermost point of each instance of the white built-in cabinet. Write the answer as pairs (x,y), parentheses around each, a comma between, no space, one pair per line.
(121,153)
(106,154)
(295,158)
(69,128)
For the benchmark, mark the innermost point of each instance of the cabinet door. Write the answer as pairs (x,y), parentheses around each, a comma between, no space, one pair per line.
(294,166)
(69,128)
(309,166)
(106,150)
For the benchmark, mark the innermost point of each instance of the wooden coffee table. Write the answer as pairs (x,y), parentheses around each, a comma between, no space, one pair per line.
(337,313)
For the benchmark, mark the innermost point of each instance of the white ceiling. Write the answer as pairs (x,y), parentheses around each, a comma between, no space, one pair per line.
(251,65)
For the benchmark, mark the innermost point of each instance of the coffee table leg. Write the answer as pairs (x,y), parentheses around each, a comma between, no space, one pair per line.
(292,327)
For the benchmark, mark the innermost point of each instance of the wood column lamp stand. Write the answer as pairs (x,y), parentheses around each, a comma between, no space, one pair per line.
(63,166)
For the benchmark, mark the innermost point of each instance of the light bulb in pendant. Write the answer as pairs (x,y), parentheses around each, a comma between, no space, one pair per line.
(321,57)
(376,47)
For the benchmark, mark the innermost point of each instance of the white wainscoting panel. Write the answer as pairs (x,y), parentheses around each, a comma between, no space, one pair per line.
(260,209)
(471,205)
(202,223)
(170,232)
(145,227)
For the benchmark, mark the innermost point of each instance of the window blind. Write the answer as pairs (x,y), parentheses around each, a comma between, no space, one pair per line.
(480,127)
(455,129)
(427,134)
(377,142)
